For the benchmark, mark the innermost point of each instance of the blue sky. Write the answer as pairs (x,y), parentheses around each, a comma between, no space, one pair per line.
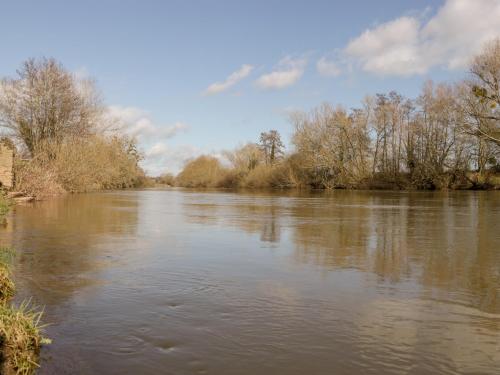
(155,61)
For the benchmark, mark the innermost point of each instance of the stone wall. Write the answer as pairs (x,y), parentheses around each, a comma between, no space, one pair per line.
(6,164)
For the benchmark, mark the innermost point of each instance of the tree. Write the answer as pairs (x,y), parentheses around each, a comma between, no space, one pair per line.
(272,146)
(46,104)
(246,158)
(332,146)
(482,101)
(437,146)
(388,125)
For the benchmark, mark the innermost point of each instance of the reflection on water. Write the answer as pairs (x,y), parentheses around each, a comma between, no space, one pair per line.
(59,240)
(445,240)
(187,282)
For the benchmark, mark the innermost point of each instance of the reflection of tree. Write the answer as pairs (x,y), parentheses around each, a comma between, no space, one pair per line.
(270,228)
(60,242)
(256,213)
(449,240)
(329,231)
(446,241)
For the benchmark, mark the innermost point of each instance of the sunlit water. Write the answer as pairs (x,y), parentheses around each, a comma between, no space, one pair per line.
(190,282)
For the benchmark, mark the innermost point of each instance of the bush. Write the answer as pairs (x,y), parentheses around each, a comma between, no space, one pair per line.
(79,165)
(204,171)
(269,176)
(36,180)
(166,179)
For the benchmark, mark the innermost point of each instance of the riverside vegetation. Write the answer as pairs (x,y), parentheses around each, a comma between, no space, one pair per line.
(20,329)
(447,138)
(64,139)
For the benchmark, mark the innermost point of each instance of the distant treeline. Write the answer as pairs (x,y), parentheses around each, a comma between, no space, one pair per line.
(63,139)
(448,137)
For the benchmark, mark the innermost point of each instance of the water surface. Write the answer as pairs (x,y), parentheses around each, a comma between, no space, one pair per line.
(190,282)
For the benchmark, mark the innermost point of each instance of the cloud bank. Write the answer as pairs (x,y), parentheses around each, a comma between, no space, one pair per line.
(409,45)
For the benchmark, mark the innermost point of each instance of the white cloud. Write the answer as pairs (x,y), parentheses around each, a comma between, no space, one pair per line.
(137,123)
(459,30)
(153,139)
(161,157)
(409,45)
(288,71)
(327,67)
(230,81)
(391,48)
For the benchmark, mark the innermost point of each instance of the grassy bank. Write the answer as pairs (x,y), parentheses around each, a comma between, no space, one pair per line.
(20,329)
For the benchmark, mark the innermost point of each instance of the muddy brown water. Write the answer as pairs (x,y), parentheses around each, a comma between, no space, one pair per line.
(193,282)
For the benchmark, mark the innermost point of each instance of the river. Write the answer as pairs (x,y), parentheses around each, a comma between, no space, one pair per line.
(209,282)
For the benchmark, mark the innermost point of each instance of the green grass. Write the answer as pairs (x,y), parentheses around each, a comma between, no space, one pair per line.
(21,339)
(20,329)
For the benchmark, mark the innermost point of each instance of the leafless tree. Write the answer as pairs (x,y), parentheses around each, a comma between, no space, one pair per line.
(482,102)
(246,158)
(332,145)
(272,145)
(46,103)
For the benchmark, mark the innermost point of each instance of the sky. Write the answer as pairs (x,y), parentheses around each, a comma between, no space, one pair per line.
(190,77)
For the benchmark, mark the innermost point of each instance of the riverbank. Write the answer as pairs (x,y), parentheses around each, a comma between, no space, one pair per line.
(20,329)
(209,172)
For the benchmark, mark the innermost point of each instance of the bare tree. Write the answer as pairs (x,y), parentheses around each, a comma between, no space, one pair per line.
(438,146)
(388,126)
(46,103)
(332,146)
(271,145)
(246,158)
(482,102)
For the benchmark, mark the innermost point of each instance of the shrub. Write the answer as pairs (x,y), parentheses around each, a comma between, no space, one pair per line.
(79,165)
(166,179)
(204,171)
(35,179)
(267,176)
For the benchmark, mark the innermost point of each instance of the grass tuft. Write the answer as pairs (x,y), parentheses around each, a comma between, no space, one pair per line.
(7,288)
(20,339)
(20,329)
